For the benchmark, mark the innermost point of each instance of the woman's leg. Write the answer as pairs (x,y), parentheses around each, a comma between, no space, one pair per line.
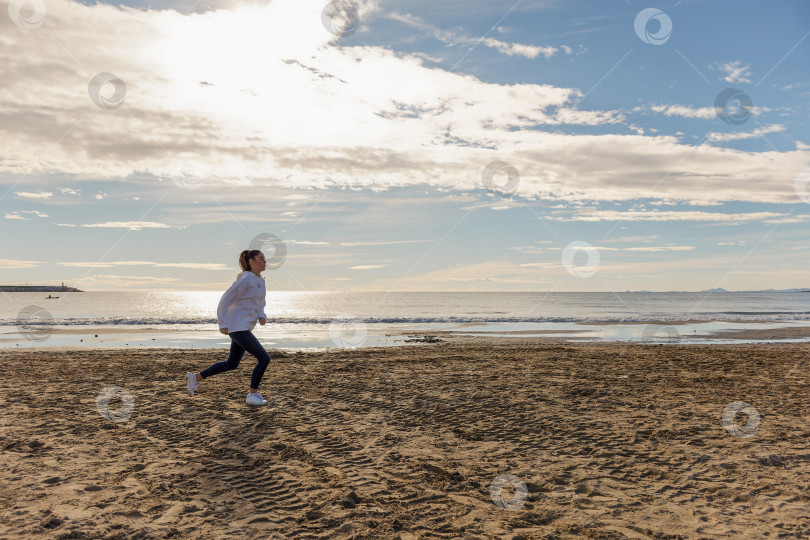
(248,341)
(234,357)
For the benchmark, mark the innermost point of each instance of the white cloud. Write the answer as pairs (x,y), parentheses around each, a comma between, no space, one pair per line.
(632,239)
(16,214)
(518,49)
(69,191)
(586,118)
(735,72)
(635,215)
(660,248)
(453,38)
(791,219)
(38,195)
(702,202)
(581,49)
(11,263)
(722,137)
(606,248)
(111,264)
(131,225)
(384,242)
(533,249)
(705,113)
(365,267)
(316,115)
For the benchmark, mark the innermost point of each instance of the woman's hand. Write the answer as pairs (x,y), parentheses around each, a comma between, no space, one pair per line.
(262,320)
(224,331)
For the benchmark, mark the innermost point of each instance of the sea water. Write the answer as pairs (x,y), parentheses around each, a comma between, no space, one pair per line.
(305,319)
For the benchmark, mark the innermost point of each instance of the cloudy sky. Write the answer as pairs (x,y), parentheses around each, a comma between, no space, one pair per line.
(456,145)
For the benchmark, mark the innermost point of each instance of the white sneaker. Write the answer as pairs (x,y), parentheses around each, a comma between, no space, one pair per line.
(255,398)
(192,383)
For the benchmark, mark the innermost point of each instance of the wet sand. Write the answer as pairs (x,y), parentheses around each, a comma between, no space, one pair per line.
(610,441)
(763,333)
(14,337)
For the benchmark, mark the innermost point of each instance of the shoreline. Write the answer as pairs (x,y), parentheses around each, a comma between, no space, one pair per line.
(319,337)
(458,341)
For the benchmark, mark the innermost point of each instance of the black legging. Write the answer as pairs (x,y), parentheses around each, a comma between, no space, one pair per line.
(241,342)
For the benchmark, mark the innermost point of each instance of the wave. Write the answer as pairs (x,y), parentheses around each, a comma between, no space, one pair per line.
(615,319)
(755,312)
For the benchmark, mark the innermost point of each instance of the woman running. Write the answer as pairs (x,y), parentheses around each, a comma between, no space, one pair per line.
(238,309)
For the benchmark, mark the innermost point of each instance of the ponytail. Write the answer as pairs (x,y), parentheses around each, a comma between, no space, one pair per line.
(245,257)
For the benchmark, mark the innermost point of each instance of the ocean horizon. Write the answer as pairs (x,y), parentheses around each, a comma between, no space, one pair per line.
(58,288)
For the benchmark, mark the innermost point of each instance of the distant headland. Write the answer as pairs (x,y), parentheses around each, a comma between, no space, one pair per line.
(37,288)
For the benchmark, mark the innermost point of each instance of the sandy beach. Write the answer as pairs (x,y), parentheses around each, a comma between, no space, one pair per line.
(609,440)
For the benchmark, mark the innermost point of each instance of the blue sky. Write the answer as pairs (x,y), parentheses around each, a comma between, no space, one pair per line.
(367,153)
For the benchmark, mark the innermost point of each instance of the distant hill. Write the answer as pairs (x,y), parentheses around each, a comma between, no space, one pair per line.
(765,290)
(721,290)
(782,290)
(37,288)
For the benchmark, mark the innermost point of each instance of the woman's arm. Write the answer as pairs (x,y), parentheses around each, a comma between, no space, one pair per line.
(262,303)
(225,302)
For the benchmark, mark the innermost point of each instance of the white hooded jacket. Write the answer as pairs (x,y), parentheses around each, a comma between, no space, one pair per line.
(243,303)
